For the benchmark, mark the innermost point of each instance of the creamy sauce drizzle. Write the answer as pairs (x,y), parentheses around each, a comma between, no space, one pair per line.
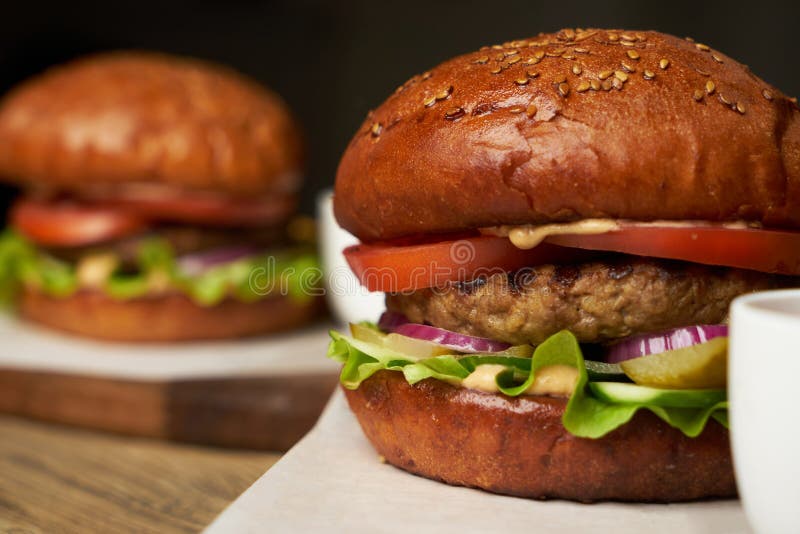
(528,236)
(554,380)
(95,270)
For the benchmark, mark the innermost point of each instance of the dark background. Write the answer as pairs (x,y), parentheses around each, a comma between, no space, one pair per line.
(333,61)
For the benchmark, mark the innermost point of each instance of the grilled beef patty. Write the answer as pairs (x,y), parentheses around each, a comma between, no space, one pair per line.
(599,301)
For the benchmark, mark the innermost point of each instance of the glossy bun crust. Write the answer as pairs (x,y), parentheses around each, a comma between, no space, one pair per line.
(165,318)
(594,123)
(518,446)
(148,117)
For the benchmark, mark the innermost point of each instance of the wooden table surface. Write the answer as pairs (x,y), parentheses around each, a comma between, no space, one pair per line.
(59,479)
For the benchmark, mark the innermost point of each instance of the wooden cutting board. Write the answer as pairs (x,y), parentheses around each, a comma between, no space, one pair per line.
(262,393)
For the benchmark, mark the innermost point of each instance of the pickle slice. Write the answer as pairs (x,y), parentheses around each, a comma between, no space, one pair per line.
(701,366)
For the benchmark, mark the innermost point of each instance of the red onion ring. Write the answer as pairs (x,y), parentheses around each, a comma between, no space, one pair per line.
(199,262)
(399,324)
(390,320)
(677,338)
(451,340)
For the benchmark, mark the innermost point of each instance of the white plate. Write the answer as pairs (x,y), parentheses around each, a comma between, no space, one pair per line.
(332,481)
(25,346)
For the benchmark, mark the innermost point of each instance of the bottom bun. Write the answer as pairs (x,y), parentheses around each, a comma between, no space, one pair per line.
(164,318)
(518,446)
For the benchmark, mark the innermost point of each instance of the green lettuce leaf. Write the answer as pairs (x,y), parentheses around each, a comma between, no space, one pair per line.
(294,273)
(585,415)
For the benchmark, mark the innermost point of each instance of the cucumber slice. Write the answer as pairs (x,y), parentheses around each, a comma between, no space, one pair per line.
(622,393)
(605,372)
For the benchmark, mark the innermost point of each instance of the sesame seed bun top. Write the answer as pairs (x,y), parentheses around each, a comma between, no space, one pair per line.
(576,124)
(149,118)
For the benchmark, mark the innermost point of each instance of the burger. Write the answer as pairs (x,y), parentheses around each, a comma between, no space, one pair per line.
(157,202)
(560,224)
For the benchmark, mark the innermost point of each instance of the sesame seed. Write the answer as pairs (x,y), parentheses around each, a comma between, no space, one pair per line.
(521,81)
(627,67)
(583,86)
(766,94)
(627,43)
(581,50)
(605,74)
(496,70)
(613,37)
(689,39)
(499,57)
(563,88)
(568,56)
(740,108)
(376,129)
(514,60)
(723,99)
(595,85)
(576,69)
(532,61)
(716,57)
(511,53)
(648,74)
(454,114)
(531,111)
(532,74)
(641,37)
(701,46)
(633,54)
(429,101)
(497,47)
(444,93)
(703,72)
(481,60)
(617,84)
(621,75)
(539,54)
(664,63)
(516,109)
(697,95)
(628,37)
(710,87)
(608,84)
(484,47)
(426,75)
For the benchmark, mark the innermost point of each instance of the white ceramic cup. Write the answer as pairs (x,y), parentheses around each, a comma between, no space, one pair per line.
(348,300)
(764,393)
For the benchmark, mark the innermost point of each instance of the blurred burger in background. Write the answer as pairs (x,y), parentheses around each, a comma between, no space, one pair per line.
(157,202)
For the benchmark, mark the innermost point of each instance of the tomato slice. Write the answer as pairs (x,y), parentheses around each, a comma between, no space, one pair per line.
(771,251)
(405,266)
(61,223)
(197,207)
(394,268)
